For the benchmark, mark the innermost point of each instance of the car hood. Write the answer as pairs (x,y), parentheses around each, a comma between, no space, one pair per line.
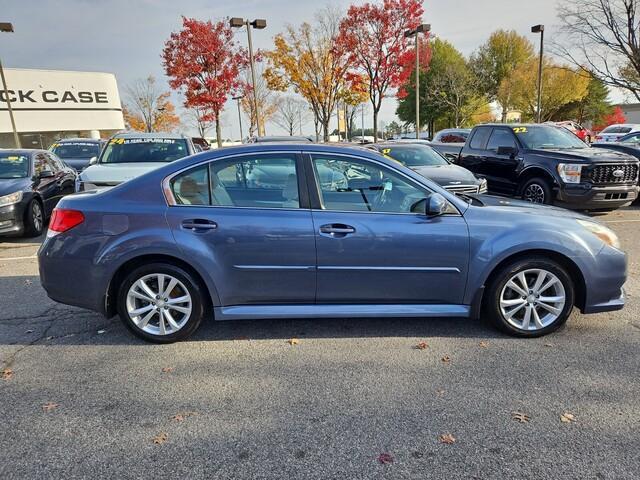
(526,208)
(77,162)
(586,155)
(12,185)
(117,172)
(447,175)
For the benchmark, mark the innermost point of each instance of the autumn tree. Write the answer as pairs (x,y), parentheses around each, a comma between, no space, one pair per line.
(615,117)
(561,85)
(197,118)
(592,108)
(265,97)
(292,113)
(309,61)
(373,36)
(148,108)
(204,62)
(353,94)
(496,60)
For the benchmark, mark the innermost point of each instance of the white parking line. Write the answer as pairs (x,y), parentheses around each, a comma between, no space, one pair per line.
(17,258)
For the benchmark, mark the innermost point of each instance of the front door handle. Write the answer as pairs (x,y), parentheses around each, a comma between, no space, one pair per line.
(196,224)
(337,230)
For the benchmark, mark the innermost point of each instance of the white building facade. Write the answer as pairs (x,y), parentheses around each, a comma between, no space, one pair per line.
(51,104)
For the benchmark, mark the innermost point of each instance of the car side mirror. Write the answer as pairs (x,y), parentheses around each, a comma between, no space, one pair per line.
(93,160)
(507,151)
(435,205)
(46,174)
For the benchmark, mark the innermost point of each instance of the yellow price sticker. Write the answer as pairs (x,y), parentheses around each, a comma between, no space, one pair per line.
(519,129)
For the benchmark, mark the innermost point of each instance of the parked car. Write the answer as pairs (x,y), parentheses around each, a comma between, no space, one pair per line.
(613,133)
(77,152)
(578,130)
(195,239)
(429,163)
(202,143)
(544,163)
(129,155)
(31,184)
(452,135)
(279,139)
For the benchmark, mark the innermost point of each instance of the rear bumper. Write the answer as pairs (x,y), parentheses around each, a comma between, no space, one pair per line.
(12,219)
(592,198)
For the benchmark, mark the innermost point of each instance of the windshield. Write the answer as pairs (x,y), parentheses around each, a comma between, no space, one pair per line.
(414,155)
(616,129)
(69,150)
(13,166)
(542,136)
(137,150)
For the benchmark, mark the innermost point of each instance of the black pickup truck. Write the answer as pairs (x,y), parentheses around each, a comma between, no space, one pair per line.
(549,164)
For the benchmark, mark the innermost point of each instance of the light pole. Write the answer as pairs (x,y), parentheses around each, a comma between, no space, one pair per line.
(8,27)
(237,99)
(539,29)
(259,24)
(422,28)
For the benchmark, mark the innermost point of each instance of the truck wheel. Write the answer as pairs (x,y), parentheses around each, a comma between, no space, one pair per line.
(536,190)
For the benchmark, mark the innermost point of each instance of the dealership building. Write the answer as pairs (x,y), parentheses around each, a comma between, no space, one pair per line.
(51,104)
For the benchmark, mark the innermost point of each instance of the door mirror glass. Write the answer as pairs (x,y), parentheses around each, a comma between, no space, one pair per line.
(436,205)
(93,160)
(506,151)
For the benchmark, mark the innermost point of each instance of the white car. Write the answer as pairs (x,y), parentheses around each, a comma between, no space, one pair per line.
(129,155)
(613,133)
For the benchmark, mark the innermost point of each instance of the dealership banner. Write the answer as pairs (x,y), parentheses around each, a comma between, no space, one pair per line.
(52,100)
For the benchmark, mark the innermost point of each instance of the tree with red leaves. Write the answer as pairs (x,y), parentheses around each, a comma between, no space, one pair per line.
(374,36)
(615,117)
(204,62)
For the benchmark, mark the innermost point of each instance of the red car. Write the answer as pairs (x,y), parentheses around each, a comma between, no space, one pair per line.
(581,132)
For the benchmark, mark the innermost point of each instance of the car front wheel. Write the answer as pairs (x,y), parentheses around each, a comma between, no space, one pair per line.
(530,298)
(536,190)
(161,303)
(34,219)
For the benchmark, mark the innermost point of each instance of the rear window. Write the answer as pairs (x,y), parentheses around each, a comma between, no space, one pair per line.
(616,129)
(138,150)
(76,149)
(13,166)
(480,137)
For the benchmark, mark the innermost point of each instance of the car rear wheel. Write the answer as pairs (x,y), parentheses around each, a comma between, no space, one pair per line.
(536,190)
(161,303)
(34,219)
(530,297)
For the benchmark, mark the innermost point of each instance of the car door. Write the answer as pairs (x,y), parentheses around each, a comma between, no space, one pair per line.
(474,154)
(65,175)
(500,168)
(45,182)
(374,247)
(246,221)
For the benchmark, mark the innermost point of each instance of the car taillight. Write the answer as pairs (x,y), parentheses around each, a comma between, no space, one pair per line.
(63,219)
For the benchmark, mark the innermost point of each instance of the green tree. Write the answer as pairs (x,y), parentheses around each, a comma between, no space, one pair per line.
(496,60)
(592,108)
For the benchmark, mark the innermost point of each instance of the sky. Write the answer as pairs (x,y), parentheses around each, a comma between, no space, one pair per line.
(125,37)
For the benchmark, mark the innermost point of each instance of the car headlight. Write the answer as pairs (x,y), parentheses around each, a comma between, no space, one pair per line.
(483,186)
(10,199)
(570,172)
(602,232)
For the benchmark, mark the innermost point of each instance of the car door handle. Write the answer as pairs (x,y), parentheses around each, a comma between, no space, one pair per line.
(199,224)
(337,230)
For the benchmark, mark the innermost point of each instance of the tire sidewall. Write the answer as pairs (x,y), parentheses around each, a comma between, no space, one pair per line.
(492,304)
(192,285)
(544,184)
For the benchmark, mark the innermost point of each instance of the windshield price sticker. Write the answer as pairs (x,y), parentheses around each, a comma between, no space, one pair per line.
(519,129)
(127,141)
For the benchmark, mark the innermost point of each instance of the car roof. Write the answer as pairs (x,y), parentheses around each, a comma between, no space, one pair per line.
(79,139)
(150,135)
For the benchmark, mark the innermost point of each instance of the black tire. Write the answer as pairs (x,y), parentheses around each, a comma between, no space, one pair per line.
(33,226)
(536,190)
(192,285)
(491,301)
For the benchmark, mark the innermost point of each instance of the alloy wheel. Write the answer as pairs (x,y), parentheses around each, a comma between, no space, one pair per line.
(37,217)
(159,304)
(534,193)
(532,299)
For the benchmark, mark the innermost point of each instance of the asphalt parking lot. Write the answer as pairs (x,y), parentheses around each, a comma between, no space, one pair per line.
(81,397)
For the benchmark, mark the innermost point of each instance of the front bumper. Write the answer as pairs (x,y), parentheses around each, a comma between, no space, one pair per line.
(12,219)
(587,197)
(604,280)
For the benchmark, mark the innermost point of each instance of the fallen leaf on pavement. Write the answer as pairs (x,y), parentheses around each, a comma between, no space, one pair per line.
(27,282)
(567,417)
(293,341)
(548,344)
(385,458)
(484,344)
(29,331)
(47,407)
(421,346)
(520,417)
(446,359)
(440,392)
(167,370)
(7,373)
(447,438)
(100,332)
(160,438)
(182,416)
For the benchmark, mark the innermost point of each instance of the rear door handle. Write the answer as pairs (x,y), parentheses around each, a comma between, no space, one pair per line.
(196,224)
(336,230)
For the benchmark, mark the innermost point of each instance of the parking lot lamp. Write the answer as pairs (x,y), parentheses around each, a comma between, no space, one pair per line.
(237,99)
(422,28)
(259,24)
(8,27)
(539,29)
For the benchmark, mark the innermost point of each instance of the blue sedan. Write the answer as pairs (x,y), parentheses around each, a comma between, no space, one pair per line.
(310,231)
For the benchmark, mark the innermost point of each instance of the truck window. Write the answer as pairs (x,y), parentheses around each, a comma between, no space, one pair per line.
(501,138)
(479,138)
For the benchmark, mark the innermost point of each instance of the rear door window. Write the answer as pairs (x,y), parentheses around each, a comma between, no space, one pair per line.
(501,138)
